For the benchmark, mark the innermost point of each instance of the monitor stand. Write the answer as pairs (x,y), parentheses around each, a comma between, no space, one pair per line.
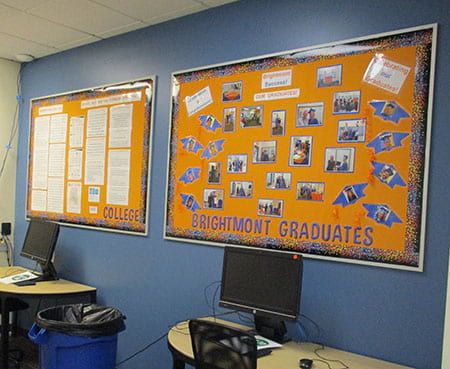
(48,273)
(272,328)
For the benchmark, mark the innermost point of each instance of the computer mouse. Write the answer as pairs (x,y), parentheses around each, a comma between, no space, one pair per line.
(305,363)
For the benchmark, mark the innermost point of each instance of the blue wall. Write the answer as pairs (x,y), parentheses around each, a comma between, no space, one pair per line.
(390,314)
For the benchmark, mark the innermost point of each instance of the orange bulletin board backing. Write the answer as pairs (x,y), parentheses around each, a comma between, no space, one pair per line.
(89,157)
(321,150)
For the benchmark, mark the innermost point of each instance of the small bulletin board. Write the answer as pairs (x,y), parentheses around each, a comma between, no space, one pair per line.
(89,157)
(322,150)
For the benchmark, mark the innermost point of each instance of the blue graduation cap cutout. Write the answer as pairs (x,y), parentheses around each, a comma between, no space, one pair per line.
(382,214)
(213,148)
(189,202)
(190,175)
(387,174)
(191,144)
(387,141)
(209,122)
(350,194)
(389,110)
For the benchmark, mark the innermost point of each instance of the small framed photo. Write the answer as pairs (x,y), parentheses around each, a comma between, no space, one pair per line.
(340,160)
(237,163)
(212,198)
(189,202)
(310,191)
(352,130)
(278,180)
(214,172)
(350,194)
(264,152)
(242,189)
(346,102)
(229,119)
(388,141)
(309,115)
(388,109)
(251,116)
(278,122)
(300,151)
(270,208)
(329,76)
(382,214)
(387,173)
(232,91)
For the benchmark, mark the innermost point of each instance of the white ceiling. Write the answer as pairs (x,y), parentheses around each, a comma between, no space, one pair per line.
(44,27)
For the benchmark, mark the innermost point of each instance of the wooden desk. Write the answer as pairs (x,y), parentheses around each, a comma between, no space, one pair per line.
(287,357)
(40,290)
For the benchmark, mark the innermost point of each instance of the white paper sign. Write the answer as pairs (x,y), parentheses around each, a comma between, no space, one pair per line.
(94,194)
(58,128)
(276,79)
(76,131)
(96,122)
(52,109)
(278,95)
(40,152)
(55,195)
(74,197)
(386,74)
(198,101)
(38,200)
(117,99)
(120,125)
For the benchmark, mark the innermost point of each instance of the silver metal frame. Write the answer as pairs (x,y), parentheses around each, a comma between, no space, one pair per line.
(150,151)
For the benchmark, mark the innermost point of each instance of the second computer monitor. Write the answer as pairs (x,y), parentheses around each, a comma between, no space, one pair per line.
(265,283)
(39,245)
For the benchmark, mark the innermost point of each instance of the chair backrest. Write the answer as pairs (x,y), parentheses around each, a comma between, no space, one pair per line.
(217,346)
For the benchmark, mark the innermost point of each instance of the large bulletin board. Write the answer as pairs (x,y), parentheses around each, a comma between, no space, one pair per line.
(89,157)
(322,150)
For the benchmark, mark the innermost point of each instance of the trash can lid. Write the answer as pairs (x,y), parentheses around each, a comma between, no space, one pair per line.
(88,320)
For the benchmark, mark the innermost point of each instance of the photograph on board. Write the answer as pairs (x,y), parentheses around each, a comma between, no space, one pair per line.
(352,130)
(309,115)
(278,122)
(229,119)
(329,76)
(243,189)
(346,102)
(251,116)
(270,207)
(311,191)
(237,163)
(300,151)
(339,159)
(232,91)
(214,172)
(264,152)
(278,180)
(212,198)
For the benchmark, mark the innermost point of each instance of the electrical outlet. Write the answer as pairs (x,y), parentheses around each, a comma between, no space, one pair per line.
(6,229)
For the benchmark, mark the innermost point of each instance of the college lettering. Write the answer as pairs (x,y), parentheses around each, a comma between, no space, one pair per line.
(125,215)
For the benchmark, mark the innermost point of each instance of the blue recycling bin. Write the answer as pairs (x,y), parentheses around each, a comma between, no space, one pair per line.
(82,336)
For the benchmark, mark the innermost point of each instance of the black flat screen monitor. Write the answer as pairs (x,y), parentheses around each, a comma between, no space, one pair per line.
(39,245)
(264,283)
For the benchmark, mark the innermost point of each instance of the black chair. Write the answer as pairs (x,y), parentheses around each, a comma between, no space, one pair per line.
(13,305)
(217,346)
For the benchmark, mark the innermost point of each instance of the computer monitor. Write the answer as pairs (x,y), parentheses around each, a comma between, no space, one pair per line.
(264,283)
(39,245)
